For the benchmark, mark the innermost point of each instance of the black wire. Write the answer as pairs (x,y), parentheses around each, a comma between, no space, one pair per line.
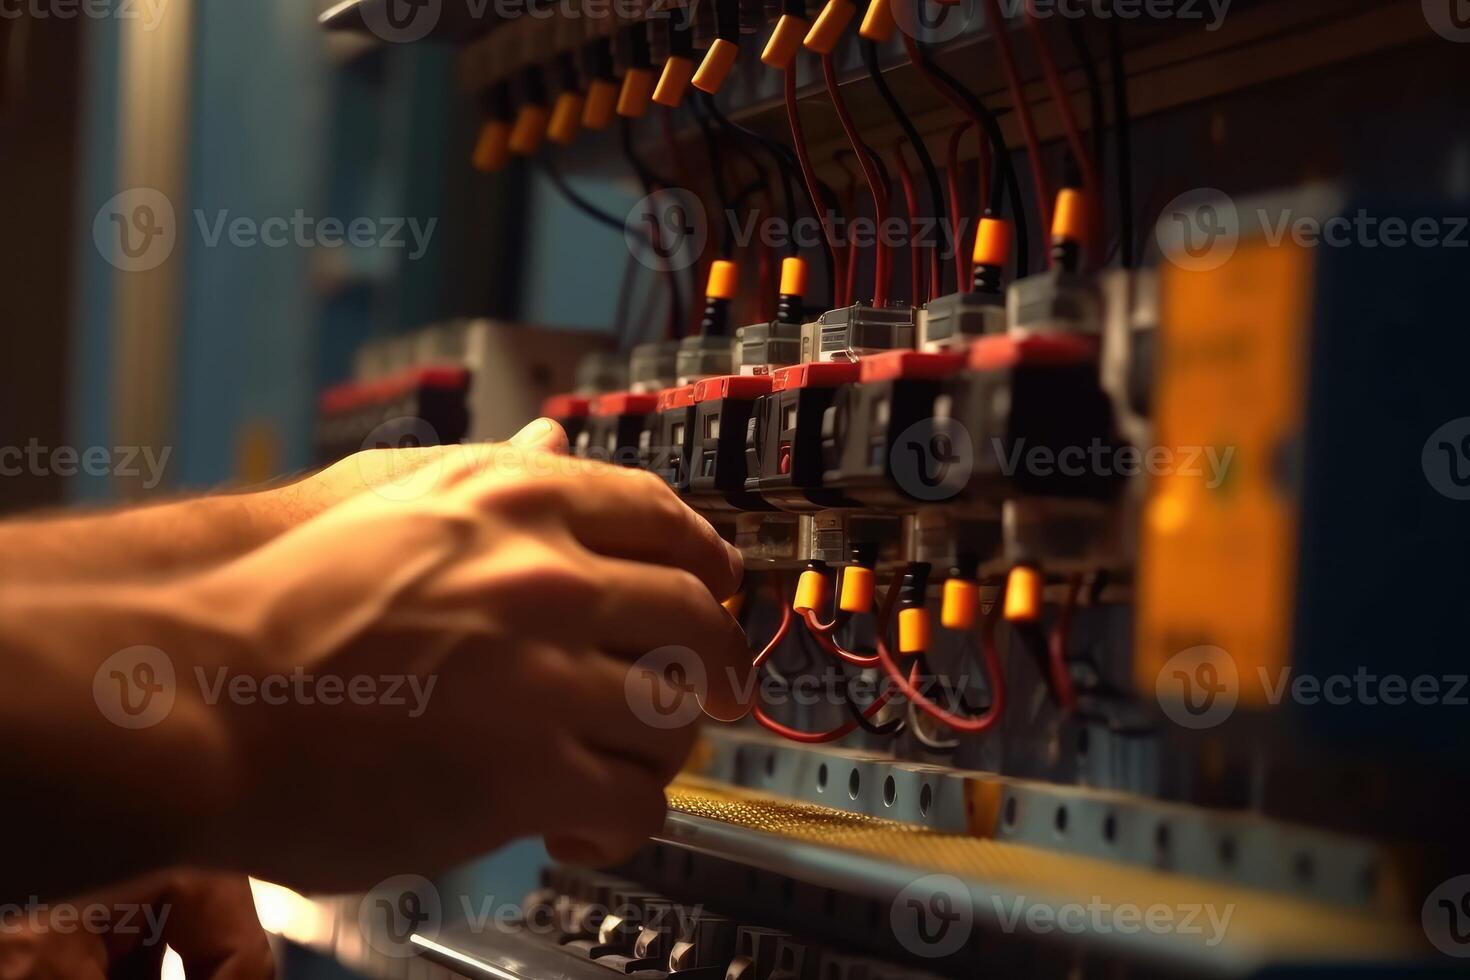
(1122,126)
(1096,107)
(625,299)
(650,181)
(1005,181)
(958,697)
(609,221)
(931,173)
(647,176)
(582,204)
(886,730)
(786,163)
(712,148)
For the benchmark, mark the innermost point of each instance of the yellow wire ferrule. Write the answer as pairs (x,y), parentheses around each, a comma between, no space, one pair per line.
(1023,595)
(829,25)
(811,592)
(857,589)
(959,605)
(913,630)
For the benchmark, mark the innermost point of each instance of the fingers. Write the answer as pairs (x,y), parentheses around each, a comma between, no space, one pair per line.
(545,435)
(215,931)
(645,609)
(617,806)
(621,514)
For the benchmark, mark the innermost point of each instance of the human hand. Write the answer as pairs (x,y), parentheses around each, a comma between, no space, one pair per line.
(511,596)
(208,919)
(392,472)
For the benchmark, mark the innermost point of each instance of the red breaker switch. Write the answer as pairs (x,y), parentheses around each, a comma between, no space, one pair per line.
(785,462)
(891,448)
(670,435)
(615,427)
(722,413)
(570,411)
(1020,395)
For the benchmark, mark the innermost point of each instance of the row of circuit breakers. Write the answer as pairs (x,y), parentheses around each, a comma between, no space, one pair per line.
(810,441)
(873,434)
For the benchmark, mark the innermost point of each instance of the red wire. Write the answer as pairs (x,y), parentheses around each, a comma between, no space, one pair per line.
(809,175)
(848,201)
(953,98)
(961,723)
(786,620)
(813,187)
(963,273)
(831,735)
(824,639)
(1061,676)
(1080,151)
(875,183)
(818,738)
(911,202)
(1023,113)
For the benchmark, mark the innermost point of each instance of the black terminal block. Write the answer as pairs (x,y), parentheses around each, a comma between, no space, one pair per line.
(424,406)
(757,952)
(669,435)
(883,444)
(722,411)
(783,453)
(614,429)
(958,318)
(1055,301)
(570,412)
(1039,421)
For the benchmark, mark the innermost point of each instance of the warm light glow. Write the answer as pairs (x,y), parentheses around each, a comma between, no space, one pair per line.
(283,912)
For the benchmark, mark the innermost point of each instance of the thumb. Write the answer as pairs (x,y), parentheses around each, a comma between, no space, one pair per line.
(543,434)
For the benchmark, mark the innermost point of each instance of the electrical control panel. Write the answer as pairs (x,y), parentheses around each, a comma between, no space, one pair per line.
(1086,508)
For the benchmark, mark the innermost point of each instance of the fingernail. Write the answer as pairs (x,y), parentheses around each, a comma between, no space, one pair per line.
(737,566)
(532,433)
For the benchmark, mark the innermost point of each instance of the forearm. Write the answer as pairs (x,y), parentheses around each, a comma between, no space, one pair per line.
(142,541)
(103,745)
